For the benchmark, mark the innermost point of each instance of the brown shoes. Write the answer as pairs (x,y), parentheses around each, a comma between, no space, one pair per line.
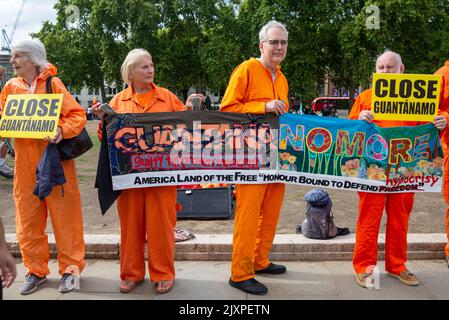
(406,277)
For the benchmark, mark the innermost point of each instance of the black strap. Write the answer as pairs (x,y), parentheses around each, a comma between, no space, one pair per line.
(48,86)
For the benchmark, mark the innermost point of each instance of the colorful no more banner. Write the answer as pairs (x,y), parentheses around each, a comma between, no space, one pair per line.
(409,97)
(34,116)
(212,147)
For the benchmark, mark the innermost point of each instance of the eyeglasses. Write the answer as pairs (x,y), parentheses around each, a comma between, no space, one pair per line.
(275,43)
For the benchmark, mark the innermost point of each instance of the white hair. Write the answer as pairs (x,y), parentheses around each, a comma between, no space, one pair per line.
(130,62)
(271,24)
(33,50)
(397,56)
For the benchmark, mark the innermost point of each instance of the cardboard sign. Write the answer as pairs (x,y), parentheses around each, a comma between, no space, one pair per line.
(405,97)
(33,116)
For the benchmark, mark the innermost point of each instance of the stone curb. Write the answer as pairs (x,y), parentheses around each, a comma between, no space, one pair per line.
(286,247)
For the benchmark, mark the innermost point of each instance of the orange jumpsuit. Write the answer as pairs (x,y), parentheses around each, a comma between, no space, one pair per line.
(444,106)
(147,213)
(65,209)
(258,206)
(371,207)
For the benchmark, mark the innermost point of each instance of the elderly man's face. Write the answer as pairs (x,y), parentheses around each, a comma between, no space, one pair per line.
(388,63)
(274,47)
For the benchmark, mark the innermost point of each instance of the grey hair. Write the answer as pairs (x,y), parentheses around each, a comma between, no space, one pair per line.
(271,24)
(130,62)
(33,50)
(396,55)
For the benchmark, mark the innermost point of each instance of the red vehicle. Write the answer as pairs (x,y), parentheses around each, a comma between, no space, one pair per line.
(327,106)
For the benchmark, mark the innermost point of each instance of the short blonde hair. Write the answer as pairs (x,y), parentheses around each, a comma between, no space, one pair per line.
(34,51)
(130,62)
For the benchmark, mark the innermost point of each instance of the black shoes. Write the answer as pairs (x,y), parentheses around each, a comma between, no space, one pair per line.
(273,269)
(251,286)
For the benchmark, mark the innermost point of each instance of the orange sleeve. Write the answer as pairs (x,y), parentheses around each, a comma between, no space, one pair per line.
(356,109)
(236,92)
(443,107)
(73,117)
(3,95)
(176,104)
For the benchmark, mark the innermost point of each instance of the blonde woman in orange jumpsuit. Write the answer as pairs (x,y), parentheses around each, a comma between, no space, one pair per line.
(258,86)
(64,203)
(145,213)
(372,205)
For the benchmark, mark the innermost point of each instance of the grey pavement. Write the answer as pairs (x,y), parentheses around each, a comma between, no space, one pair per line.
(207,280)
(317,269)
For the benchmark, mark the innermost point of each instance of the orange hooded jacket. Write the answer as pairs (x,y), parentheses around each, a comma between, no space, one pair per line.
(64,208)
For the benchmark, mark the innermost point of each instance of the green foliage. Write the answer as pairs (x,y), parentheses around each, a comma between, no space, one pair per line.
(199,42)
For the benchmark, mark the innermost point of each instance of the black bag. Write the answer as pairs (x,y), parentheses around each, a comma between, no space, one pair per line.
(73,147)
(205,204)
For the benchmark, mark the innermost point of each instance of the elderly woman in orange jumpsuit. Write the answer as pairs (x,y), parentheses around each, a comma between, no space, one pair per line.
(371,205)
(258,86)
(63,204)
(145,213)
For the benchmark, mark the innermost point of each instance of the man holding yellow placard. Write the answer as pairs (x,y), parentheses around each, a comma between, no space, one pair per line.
(39,120)
(398,206)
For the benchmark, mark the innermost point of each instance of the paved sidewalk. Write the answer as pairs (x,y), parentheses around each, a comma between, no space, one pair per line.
(286,247)
(207,280)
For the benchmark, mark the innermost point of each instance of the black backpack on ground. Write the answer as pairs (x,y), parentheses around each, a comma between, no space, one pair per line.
(319,222)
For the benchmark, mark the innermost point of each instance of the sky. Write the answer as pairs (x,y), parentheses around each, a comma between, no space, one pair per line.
(35,12)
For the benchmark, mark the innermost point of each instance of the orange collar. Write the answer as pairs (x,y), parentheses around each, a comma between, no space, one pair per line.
(129,93)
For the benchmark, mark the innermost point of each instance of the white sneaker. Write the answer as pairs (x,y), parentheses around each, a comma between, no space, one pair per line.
(6,171)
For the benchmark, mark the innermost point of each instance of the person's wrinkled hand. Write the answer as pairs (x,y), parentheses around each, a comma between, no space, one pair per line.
(96,109)
(8,269)
(57,138)
(366,115)
(275,106)
(440,122)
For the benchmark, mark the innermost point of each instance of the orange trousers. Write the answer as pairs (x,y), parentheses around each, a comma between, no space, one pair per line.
(446,190)
(66,219)
(256,219)
(447,231)
(147,214)
(371,207)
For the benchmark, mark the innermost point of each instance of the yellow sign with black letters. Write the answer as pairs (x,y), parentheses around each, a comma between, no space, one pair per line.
(405,97)
(33,116)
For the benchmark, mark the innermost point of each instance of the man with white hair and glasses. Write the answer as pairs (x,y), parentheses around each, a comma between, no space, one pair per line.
(258,86)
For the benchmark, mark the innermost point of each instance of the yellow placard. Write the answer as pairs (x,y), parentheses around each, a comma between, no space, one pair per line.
(405,97)
(33,116)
